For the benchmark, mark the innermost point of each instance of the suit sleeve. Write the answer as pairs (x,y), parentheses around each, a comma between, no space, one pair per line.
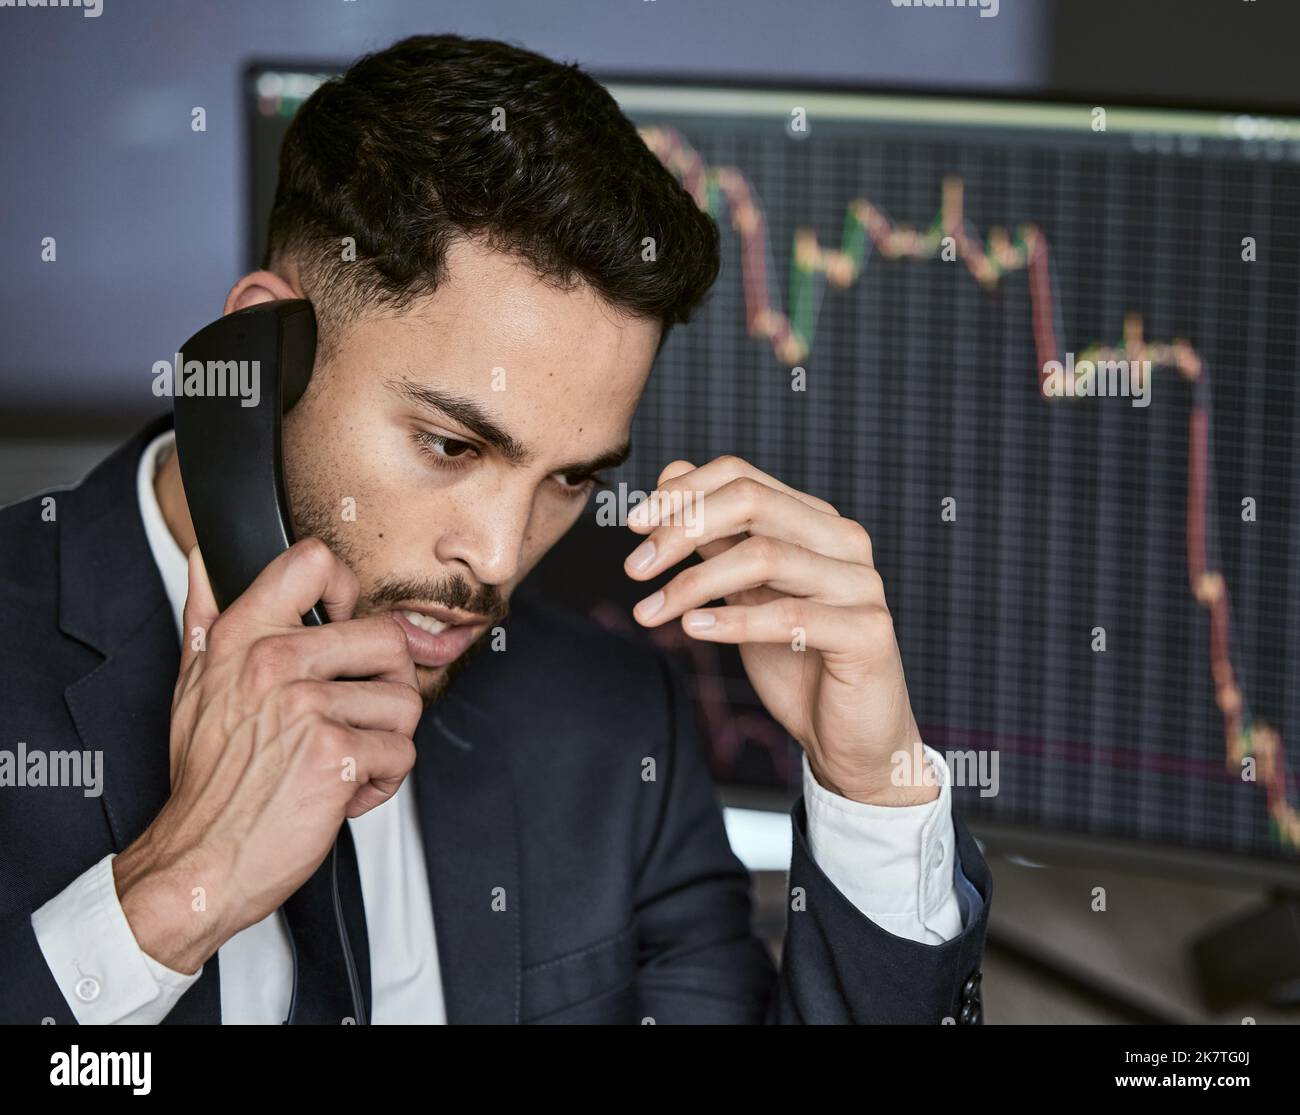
(700,962)
(29,994)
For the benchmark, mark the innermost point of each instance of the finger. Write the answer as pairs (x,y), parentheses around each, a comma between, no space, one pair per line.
(673,470)
(710,477)
(761,561)
(371,647)
(386,706)
(680,468)
(721,546)
(383,761)
(743,506)
(793,621)
(306,573)
(200,611)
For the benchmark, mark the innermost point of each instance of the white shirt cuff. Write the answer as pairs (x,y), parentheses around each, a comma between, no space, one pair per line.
(103,973)
(894,863)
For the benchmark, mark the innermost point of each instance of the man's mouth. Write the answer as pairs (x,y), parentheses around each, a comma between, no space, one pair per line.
(426,623)
(437,637)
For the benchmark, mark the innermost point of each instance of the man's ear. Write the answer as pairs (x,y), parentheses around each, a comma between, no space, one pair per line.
(258,286)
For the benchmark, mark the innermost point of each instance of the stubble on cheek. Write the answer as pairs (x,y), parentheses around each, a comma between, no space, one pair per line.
(318,515)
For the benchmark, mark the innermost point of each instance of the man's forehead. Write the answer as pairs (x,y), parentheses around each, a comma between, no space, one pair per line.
(528,361)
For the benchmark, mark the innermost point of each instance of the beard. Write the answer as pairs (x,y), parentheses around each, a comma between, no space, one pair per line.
(313,519)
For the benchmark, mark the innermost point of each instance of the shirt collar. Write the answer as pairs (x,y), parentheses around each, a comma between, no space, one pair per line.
(173,566)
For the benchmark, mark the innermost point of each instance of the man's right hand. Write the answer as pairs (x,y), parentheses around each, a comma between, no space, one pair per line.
(271,749)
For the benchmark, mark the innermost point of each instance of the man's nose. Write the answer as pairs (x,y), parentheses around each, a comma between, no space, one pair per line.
(488,537)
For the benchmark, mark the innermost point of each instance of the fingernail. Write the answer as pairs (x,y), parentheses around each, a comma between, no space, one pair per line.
(642,557)
(650,605)
(698,621)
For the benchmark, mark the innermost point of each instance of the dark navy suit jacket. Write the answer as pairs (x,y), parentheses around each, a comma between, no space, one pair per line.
(623,899)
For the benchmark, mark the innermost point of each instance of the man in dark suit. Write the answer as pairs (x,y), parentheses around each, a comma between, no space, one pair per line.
(470,222)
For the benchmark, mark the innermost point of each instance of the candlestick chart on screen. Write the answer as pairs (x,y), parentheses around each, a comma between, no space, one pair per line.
(1105,594)
(1111,598)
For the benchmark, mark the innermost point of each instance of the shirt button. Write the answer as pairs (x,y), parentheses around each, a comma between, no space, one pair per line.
(936,857)
(87,989)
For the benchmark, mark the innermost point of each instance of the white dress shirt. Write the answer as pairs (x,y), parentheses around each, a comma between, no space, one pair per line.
(895,864)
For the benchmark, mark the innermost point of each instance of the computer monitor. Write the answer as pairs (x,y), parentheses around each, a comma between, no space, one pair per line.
(1046,352)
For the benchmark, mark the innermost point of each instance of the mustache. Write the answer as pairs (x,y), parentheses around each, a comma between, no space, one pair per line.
(449,592)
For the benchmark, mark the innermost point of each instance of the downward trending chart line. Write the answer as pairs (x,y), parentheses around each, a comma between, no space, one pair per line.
(867,228)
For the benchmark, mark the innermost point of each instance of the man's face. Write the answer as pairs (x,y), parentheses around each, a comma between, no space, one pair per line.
(442,451)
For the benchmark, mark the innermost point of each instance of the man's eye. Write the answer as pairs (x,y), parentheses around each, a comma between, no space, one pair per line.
(441,449)
(576,484)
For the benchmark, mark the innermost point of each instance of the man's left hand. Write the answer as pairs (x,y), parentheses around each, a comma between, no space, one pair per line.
(804,603)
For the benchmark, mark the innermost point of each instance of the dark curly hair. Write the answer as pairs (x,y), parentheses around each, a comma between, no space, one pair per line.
(400,154)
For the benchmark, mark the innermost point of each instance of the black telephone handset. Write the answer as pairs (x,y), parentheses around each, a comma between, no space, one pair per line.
(233,471)
(230,457)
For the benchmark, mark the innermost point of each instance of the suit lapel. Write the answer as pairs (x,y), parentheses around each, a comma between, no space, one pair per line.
(122,708)
(467,824)
(112,599)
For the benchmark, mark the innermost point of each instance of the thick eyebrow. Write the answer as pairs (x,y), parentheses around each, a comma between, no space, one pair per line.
(465,411)
(612,459)
(474,418)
